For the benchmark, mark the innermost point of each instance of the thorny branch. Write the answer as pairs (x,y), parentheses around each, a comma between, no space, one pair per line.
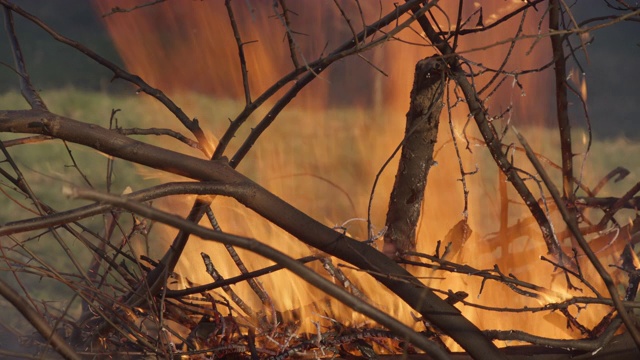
(284,18)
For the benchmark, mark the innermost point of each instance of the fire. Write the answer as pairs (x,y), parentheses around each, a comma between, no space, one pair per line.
(323,153)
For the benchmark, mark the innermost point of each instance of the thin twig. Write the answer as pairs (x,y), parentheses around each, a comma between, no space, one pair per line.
(255,284)
(463,173)
(117,9)
(584,245)
(243,61)
(211,270)
(233,280)
(272,254)
(63,217)
(314,68)
(26,87)
(456,34)
(507,56)
(191,125)
(293,47)
(43,327)
(581,344)
(26,140)
(75,164)
(530,3)
(562,107)
(159,132)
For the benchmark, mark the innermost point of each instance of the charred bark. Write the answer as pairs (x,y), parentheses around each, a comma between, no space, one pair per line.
(416,159)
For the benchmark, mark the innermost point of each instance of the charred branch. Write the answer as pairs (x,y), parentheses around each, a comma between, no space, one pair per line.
(298,224)
(416,158)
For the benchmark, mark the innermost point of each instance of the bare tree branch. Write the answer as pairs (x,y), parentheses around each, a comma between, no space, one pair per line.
(191,125)
(275,255)
(26,87)
(344,50)
(118,9)
(298,224)
(562,106)
(566,215)
(490,137)
(416,158)
(43,327)
(243,61)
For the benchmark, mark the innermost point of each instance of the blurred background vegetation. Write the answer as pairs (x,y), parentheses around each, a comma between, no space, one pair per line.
(611,69)
(53,65)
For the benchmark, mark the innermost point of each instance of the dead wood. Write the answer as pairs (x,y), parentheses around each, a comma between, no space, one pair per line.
(620,348)
(416,159)
(443,315)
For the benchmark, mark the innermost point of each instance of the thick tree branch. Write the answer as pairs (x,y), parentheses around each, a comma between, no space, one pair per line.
(270,253)
(416,158)
(422,299)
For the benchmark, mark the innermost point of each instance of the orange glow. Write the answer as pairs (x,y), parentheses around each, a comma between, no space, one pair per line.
(342,128)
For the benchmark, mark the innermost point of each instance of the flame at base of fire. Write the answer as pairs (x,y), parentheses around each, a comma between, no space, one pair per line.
(333,183)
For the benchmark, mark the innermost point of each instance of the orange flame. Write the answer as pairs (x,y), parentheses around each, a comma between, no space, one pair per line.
(341,129)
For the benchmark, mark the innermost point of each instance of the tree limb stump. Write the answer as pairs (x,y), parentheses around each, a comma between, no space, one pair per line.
(416,158)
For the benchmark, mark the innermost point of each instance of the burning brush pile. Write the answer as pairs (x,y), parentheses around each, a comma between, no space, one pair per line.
(198,323)
(353,180)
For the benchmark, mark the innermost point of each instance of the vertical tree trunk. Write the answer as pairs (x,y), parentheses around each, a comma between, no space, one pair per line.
(417,156)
